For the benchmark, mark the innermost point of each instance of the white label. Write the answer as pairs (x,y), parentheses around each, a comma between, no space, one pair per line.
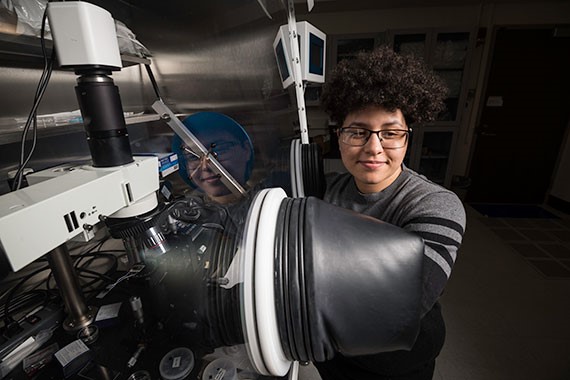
(68,353)
(108,311)
(176,362)
(495,101)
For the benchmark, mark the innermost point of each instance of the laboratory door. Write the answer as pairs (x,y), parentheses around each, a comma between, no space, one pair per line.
(525,113)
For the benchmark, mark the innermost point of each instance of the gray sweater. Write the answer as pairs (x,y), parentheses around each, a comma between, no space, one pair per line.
(416,204)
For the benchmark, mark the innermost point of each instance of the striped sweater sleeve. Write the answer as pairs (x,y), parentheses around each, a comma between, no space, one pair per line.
(439,218)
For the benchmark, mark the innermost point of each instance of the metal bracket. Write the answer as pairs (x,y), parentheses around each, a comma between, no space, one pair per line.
(297,73)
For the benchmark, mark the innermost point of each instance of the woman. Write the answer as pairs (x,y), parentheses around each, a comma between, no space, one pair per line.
(375,98)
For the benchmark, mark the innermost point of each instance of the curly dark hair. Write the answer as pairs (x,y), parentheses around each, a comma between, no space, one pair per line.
(387,79)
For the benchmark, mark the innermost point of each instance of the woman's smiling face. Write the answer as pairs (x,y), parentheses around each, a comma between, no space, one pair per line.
(373,166)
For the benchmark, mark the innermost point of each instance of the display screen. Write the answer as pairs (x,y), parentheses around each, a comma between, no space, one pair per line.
(281,61)
(316,52)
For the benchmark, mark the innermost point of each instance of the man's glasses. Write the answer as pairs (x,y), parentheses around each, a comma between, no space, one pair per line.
(389,138)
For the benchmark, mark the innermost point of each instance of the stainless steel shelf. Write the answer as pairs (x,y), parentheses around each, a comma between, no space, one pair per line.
(11,132)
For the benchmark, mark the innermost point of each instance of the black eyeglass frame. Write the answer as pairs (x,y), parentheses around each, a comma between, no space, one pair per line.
(195,156)
(377,133)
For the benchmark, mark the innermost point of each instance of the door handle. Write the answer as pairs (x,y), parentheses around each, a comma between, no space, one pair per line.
(488,134)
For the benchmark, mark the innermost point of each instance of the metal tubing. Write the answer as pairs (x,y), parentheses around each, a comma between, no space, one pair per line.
(80,315)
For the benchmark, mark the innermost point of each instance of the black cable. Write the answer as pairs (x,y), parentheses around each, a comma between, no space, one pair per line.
(17,298)
(103,287)
(21,301)
(108,255)
(81,267)
(94,256)
(110,251)
(97,248)
(27,301)
(99,245)
(96,274)
(15,288)
(84,285)
(32,117)
(96,277)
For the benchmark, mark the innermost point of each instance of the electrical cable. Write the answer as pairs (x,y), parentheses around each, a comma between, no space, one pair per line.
(21,296)
(112,268)
(83,273)
(98,254)
(105,277)
(8,285)
(25,300)
(12,293)
(99,276)
(100,244)
(32,117)
(124,277)
(94,256)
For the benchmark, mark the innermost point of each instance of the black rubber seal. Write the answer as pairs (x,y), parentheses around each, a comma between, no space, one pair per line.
(302,281)
(295,305)
(280,277)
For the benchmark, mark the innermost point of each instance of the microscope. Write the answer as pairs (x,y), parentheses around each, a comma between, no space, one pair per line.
(66,203)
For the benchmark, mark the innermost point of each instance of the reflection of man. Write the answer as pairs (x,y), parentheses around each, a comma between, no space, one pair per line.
(227,141)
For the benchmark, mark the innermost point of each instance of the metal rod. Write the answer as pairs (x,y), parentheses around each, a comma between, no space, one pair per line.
(153,81)
(80,315)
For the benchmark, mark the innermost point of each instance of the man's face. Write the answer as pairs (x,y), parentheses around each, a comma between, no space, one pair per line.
(373,166)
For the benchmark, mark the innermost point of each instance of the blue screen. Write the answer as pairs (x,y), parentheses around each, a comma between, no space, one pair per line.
(281,61)
(316,54)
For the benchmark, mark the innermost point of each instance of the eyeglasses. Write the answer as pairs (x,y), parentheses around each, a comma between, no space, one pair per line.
(218,150)
(194,161)
(389,138)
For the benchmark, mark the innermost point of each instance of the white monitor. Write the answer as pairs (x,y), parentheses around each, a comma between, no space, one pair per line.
(312,51)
